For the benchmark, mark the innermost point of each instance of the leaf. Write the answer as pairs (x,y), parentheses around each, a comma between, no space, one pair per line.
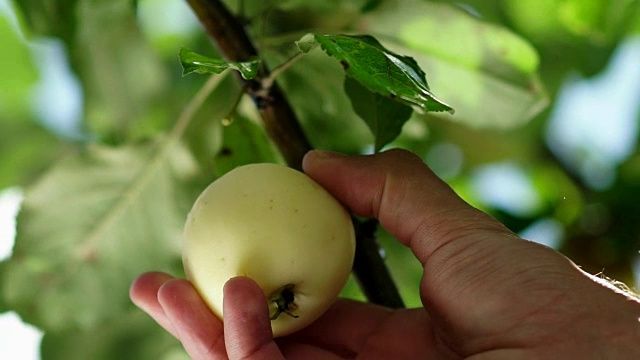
(87,228)
(203,137)
(193,62)
(244,142)
(51,18)
(332,121)
(27,149)
(382,86)
(382,71)
(383,116)
(486,72)
(307,43)
(339,10)
(17,72)
(132,336)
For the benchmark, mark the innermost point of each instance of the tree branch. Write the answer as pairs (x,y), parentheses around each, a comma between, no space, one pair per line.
(370,269)
(283,128)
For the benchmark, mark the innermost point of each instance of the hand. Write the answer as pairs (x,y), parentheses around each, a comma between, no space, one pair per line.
(487,294)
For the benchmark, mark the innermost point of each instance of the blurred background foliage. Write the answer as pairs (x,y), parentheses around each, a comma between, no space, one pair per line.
(547,99)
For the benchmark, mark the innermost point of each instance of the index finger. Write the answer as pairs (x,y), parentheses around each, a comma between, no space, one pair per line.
(398,189)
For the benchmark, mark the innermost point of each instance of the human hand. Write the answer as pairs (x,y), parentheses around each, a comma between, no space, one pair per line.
(487,294)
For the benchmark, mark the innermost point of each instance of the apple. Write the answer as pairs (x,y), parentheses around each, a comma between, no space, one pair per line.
(277,226)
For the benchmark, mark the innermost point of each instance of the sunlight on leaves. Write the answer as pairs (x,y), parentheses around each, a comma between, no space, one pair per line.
(487,73)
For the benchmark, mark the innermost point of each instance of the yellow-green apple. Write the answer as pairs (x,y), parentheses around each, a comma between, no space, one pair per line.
(277,226)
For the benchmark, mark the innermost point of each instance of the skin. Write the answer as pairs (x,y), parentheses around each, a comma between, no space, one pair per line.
(487,294)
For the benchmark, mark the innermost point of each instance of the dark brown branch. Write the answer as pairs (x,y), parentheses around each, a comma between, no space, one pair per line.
(283,128)
(370,269)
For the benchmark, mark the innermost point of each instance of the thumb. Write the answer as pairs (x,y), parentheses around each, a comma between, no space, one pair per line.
(398,189)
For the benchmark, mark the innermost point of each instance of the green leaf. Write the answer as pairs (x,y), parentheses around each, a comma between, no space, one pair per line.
(244,142)
(383,116)
(17,72)
(382,71)
(337,9)
(27,149)
(132,336)
(88,227)
(601,22)
(51,18)
(204,135)
(193,62)
(307,43)
(332,122)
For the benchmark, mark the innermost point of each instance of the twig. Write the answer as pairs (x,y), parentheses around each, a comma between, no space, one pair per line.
(279,119)
(268,81)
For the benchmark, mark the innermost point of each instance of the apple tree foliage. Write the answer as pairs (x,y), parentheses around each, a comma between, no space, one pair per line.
(107,201)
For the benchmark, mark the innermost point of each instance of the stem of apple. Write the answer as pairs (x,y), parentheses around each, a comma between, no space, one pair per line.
(283,301)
